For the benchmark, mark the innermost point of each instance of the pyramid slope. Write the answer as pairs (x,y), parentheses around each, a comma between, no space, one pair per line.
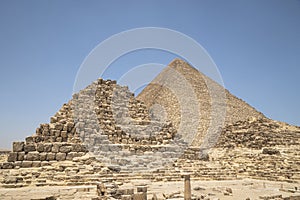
(157,92)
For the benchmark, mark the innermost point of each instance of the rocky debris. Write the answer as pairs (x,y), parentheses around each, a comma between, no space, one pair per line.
(270,151)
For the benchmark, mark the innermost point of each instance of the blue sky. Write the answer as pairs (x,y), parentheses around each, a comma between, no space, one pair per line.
(255,44)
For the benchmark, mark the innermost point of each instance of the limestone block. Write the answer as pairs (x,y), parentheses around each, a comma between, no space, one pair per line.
(59,139)
(72,155)
(10,180)
(61,156)
(53,119)
(43,156)
(57,133)
(52,139)
(32,156)
(50,156)
(38,131)
(18,146)
(58,126)
(55,147)
(8,165)
(38,139)
(44,163)
(65,149)
(138,196)
(40,147)
(12,157)
(79,148)
(21,156)
(18,164)
(26,164)
(64,134)
(46,132)
(29,140)
(29,147)
(36,163)
(47,147)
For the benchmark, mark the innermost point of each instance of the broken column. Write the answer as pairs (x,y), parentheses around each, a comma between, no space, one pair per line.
(187,187)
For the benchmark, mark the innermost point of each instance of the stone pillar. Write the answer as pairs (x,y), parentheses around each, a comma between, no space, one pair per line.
(142,189)
(187,188)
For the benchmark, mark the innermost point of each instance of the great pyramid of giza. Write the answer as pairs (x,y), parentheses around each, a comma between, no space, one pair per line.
(228,107)
(106,136)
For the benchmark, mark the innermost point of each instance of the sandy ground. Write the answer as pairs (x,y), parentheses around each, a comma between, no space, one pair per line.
(241,190)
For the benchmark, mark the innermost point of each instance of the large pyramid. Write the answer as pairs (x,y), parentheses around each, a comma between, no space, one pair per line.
(106,135)
(208,94)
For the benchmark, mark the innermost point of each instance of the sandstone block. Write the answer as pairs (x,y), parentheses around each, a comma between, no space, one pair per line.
(32,156)
(21,156)
(18,146)
(61,156)
(29,147)
(12,157)
(26,164)
(50,156)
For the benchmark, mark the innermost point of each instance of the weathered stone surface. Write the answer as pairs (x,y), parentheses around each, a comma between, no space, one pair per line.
(29,147)
(18,146)
(26,164)
(32,156)
(72,155)
(7,165)
(65,148)
(36,163)
(51,156)
(29,140)
(78,148)
(40,147)
(61,156)
(21,156)
(12,157)
(47,147)
(55,147)
(270,151)
(43,156)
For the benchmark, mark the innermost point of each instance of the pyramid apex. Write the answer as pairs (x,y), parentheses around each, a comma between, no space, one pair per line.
(177,61)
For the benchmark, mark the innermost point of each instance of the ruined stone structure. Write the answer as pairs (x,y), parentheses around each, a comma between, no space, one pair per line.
(104,127)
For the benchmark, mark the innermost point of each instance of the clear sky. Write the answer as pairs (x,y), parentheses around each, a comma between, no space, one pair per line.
(255,44)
